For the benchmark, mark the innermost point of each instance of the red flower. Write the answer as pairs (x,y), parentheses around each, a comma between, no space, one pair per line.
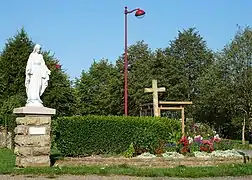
(207,142)
(203,148)
(57,66)
(207,146)
(214,139)
(184,141)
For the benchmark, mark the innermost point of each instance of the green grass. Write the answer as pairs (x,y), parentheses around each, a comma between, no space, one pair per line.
(224,170)
(7,166)
(7,160)
(237,144)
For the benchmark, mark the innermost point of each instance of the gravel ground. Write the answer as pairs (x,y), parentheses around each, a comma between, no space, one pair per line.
(93,177)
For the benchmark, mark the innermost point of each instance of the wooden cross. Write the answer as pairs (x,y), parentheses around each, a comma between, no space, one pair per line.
(155,91)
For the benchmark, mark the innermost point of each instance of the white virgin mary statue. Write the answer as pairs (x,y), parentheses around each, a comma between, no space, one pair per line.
(37,76)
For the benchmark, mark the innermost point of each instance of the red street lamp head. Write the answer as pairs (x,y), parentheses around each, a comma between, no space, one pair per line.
(140,13)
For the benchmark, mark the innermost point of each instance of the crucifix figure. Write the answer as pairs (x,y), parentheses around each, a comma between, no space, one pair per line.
(155,91)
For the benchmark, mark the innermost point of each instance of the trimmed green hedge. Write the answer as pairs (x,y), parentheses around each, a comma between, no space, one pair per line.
(87,135)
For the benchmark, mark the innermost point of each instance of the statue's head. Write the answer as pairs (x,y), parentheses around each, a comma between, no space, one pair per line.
(37,48)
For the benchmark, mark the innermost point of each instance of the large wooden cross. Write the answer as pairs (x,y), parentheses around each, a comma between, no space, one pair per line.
(155,91)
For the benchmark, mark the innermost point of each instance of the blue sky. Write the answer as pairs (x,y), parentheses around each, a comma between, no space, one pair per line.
(80,31)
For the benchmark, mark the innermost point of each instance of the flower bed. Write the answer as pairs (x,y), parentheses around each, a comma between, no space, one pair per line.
(189,145)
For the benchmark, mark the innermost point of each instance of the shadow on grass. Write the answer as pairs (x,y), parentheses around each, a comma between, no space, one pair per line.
(54,156)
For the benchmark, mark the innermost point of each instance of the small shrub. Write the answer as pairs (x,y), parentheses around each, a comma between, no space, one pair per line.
(129,153)
(194,147)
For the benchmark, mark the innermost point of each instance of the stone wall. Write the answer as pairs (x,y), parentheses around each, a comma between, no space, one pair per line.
(32,141)
(5,141)
(158,162)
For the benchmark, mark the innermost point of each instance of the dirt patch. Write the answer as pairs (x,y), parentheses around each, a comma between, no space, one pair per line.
(148,162)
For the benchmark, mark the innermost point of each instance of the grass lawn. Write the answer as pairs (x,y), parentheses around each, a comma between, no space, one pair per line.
(7,166)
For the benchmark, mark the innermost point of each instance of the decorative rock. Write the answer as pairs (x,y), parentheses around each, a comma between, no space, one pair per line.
(218,153)
(204,155)
(227,153)
(173,155)
(146,155)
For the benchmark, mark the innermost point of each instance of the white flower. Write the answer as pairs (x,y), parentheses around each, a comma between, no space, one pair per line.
(190,140)
(217,136)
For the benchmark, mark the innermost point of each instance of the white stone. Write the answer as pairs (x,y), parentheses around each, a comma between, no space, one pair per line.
(146,155)
(34,110)
(37,130)
(172,155)
(37,77)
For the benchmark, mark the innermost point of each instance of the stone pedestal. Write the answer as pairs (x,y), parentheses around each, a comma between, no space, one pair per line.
(32,136)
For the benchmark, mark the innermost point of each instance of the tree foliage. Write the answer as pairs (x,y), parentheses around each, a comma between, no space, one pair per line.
(13,62)
(98,89)
(225,93)
(188,57)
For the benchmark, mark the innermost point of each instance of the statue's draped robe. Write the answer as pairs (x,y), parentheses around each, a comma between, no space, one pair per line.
(37,76)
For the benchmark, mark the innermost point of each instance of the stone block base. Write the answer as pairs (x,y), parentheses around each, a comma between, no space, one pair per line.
(32,136)
(33,161)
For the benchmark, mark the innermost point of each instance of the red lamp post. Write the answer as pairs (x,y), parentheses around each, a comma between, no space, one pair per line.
(139,13)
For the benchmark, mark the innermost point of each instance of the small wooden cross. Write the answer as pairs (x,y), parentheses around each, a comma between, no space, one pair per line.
(155,91)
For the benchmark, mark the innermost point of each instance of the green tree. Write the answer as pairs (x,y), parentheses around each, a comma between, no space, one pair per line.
(238,54)
(12,75)
(187,58)
(13,63)
(225,89)
(99,90)
(140,74)
(213,102)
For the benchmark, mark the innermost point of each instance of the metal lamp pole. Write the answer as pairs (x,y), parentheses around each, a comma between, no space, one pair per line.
(139,13)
